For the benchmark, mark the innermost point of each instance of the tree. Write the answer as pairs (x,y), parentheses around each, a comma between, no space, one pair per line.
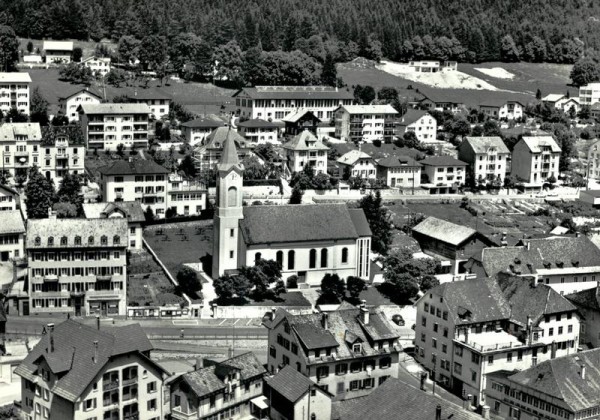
(509,50)
(228,287)
(152,52)
(229,60)
(491,128)
(405,275)
(261,276)
(77,54)
(39,195)
(538,94)
(39,107)
(29,47)
(65,210)
(584,71)
(364,95)
(69,192)
(15,115)
(188,280)
(379,222)
(329,73)
(9,49)
(333,289)
(296,196)
(355,285)
(387,94)
(409,139)
(116,77)
(188,166)
(121,150)
(149,214)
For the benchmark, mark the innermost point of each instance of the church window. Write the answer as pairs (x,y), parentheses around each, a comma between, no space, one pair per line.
(344,255)
(324,257)
(312,260)
(291,259)
(232,197)
(279,258)
(257,257)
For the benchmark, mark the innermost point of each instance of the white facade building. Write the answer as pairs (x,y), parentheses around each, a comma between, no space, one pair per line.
(419,122)
(100,66)
(358,164)
(306,149)
(59,52)
(487,158)
(536,160)
(69,105)
(14,92)
(365,123)
(502,110)
(589,94)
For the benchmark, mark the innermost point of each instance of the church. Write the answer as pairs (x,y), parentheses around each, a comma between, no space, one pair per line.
(308,240)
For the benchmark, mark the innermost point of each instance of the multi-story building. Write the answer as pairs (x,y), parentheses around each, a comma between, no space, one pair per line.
(419,122)
(197,130)
(566,264)
(12,235)
(158,102)
(14,92)
(487,158)
(347,353)
(588,304)
(259,131)
(136,180)
(443,174)
(100,66)
(399,171)
(9,199)
(562,388)
(365,123)
(81,372)
(54,150)
(209,152)
(130,210)
(299,120)
(306,149)
(535,160)
(77,266)
(68,105)
(589,94)
(358,164)
(106,125)
(229,389)
(593,158)
(466,330)
(59,52)
(184,197)
(441,100)
(502,109)
(273,103)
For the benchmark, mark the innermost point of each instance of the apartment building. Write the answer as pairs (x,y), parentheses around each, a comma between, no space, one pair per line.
(468,329)
(81,372)
(419,122)
(306,149)
(158,102)
(562,388)
(106,125)
(129,210)
(487,158)
(365,123)
(399,171)
(273,103)
(185,197)
(209,152)
(588,304)
(12,235)
(593,158)
(230,389)
(536,160)
(358,164)
(443,174)
(566,264)
(502,109)
(68,105)
(77,266)
(58,52)
(136,180)
(56,151)
(100,66)
(14,92)
(347,353)
(259,131)
(9,199)
(589,94)
(197,130)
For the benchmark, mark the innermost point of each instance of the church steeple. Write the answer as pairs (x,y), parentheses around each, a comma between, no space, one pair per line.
(229,158)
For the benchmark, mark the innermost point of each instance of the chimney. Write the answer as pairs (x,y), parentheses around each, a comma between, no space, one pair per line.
(273,310)
(95,351)
(51,214)
(438,412)
(199,363)
(364,315)
(98,322)
(485,411)
(582,372)
(325,320)
(51,337)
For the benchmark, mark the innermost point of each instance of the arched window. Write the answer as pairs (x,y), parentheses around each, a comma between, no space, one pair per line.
(291,259)
(257,257)
(344,255)
(116,240)
(312,259)
(91,240)
(63,240)
(38,240)
(78,240)
(279,258)
(103,240)
(324,257)
(51,241)
(232,197)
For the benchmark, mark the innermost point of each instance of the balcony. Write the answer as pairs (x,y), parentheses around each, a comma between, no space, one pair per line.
(77,293)
(178,414)
(104,277)
(132,416)
(22,153)
(491,341)
(110,385)
(50,294)
(130,381)
(51,277)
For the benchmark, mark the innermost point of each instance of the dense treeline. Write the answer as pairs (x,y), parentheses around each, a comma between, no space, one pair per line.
(470,30)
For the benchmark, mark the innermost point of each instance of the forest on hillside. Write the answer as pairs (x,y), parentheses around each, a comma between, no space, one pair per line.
(469,30)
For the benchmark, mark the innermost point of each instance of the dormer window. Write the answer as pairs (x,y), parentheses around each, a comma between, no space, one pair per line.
(38,241)
(78,240)
(51,241)
(63,241)
(356,348)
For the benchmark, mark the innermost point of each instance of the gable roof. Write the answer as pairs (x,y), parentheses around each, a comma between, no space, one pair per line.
(134,167)
(81,368)
(536,143)
(442,161)
(297,114)
(296,92)
(444,231)
(290,384)
(16,77)
(553,97)
(216,139)
(70,228)
(87,90)
(297,223)
(369,109)
(361,224)
(411,116)
(482,144)
(148,94)
(398,162)
(498,102)
(12,222)
(351,157)
(132,209)
(257,123)
(387,150)
(305,141)
(8,131)
(73,134)
(8,190)
(120,108)
(589,298)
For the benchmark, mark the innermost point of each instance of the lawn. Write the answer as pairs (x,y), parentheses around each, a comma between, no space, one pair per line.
(147,283)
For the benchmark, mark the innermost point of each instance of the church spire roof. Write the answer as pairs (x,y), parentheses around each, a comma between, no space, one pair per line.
(229,158)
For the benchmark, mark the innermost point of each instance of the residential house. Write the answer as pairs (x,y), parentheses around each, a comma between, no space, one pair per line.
(426,66)
(184,197)
(441,101)
(561,102)
(293,396)
(208,154)
(487,158)
(567,387)
(100,66)
(365,123)
(306,149)
(229,389)
(273,103)
(567,264)
(80,372)
(107,125)
(595,110)
(58,52)
(347,353)
(196,131)
(536,160)
(14,92)
(130,210)
(12,236)
(587,302)
(358,164)
(443,174)
(593,160)
(158,102)
(77,266)
(299,120)
(466,330)
(310,241)
(68,105)
(399,172)
(419,122)
(502,109)
(589,94)
(259,131)
(136,180)
(9,199)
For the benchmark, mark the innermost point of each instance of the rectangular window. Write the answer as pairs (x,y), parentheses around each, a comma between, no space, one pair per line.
(151,387)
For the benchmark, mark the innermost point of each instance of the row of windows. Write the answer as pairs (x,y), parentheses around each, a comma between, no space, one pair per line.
(116,240)
(74,256)
(531,400)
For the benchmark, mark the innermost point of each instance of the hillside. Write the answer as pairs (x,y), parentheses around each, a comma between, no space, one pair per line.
(477,30)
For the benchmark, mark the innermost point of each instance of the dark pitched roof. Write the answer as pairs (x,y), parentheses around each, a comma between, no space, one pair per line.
(361,224)
(135,167)
(290,383)
(442,161)
(77,340)
(307,222)
(296,92)
(482,144)
(305,141)
(132,210)
(8,189)
(398,162)
(229,158)
(589,298)
(257,123)
(73,133)
(74,92)
(205,122)
(216,139)
(412,116)
(387,150)
(246,363)
(444,231)
(498,102)
(72,228)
